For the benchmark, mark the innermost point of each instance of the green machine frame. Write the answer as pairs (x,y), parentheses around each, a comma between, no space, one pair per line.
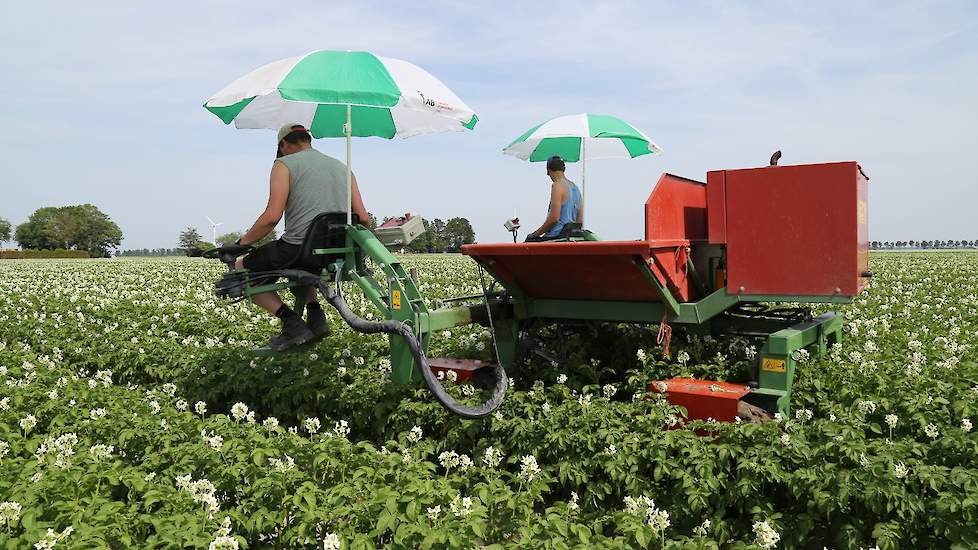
(774,364)
(391,289)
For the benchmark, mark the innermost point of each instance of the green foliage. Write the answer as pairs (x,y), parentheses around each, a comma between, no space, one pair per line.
(189,240)
(42,254)
(79,227)
(440,236)
(153,252)
(829,480)
(230,238)
(5,230)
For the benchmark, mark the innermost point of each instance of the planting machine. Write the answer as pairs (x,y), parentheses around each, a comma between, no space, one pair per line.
(715,256)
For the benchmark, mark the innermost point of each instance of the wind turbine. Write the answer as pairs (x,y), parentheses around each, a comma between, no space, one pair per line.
(214,229)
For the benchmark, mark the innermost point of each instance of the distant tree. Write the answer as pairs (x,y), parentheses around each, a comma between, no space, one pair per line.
(153,252)
(423,242)
(5,230)
(458,231)
(79,227)
(438,240)
(230,238)
(189,240)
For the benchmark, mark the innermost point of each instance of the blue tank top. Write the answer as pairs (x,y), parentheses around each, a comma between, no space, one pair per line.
(568,210)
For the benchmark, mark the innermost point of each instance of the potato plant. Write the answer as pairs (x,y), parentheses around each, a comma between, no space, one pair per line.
(132,414)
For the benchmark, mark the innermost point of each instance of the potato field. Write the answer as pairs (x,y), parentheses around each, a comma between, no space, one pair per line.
(133,415)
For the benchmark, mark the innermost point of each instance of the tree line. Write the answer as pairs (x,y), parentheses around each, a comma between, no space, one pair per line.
(442,236)
(937,244)
(439,236)
(77,227)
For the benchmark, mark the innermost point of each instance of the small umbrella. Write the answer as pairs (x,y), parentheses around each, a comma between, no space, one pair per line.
(343,94)
(582,137)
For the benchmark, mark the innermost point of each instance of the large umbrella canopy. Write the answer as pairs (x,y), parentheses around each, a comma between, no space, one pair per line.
(387,96)
(343,94)
(581,137)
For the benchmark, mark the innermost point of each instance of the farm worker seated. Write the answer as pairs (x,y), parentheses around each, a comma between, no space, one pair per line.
(304,183)
(566,205)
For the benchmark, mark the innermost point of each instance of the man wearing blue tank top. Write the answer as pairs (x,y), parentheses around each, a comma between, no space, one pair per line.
(304,183)
(566,205)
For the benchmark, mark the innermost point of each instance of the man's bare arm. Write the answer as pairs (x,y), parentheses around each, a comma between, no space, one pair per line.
(358,208)
(553,214)
(278,194)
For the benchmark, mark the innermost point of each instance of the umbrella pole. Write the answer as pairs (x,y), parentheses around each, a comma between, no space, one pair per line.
(583,172)
(348,130)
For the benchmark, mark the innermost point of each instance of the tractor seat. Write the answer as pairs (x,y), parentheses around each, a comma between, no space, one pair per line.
(327,230)
(569,231)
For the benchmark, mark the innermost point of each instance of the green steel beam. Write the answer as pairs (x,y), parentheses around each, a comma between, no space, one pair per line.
(402,302)
(440,319)
(274,287)
(668,300)
(321,251)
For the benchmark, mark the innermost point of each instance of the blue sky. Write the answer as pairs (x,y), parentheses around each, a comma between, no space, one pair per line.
(101,103)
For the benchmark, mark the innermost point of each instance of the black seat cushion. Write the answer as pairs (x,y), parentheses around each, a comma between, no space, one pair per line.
(327,230)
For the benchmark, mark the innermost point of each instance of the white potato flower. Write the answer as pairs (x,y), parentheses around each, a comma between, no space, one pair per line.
(867,407)
(9,513)
(239,411)
(528,468)
(415,434)
(461,506)
(891,420)
(101,452)
(223,542)
(765,536)
(492,457)
(27,423)
(331,542)
(311,425)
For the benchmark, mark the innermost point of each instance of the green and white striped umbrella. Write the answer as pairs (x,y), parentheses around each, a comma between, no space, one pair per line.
(582,137)
(343,94)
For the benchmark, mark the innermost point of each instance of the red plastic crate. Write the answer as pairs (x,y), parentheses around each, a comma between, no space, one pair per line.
(702,399)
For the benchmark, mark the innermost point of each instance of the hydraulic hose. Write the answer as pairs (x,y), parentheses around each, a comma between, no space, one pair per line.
(357,323)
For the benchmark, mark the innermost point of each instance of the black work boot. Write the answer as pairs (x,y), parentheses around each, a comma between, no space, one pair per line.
(294,331)
(316,320)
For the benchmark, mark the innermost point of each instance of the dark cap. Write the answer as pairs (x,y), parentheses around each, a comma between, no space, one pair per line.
(555,164)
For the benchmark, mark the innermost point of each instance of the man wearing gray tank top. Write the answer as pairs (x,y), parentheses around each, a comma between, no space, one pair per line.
(304,183)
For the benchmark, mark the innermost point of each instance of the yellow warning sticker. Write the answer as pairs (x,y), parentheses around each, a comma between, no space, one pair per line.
(396,299)
(773,365)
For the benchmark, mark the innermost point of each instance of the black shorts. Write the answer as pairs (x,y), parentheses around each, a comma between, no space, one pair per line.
(277,254)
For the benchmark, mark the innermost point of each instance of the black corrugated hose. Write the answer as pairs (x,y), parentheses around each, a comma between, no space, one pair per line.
(335,299)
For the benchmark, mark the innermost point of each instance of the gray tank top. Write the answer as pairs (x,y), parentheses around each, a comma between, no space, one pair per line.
(318,185)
